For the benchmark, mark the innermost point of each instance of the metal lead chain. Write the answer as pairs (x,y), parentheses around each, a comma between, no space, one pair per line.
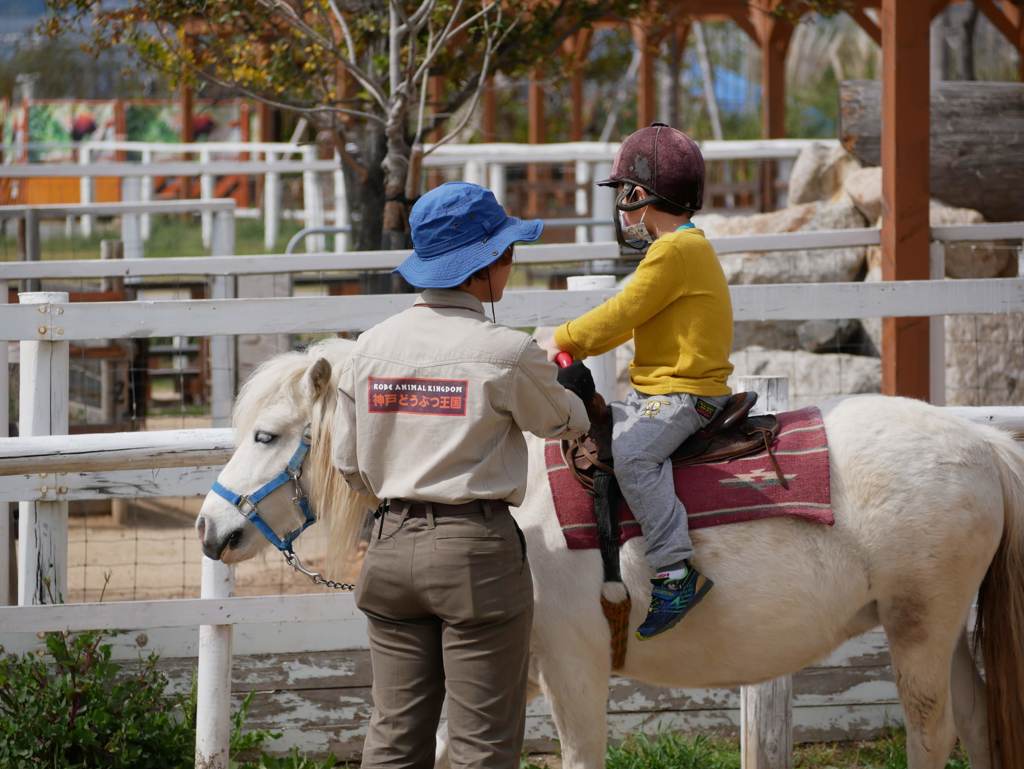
(315,576)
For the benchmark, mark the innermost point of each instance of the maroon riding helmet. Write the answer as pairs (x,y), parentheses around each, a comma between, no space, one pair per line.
(665,162)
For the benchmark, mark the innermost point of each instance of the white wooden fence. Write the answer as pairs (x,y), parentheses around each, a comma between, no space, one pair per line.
(485,164)
(44,471)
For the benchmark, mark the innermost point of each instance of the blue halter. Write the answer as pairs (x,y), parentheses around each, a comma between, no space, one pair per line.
(248,504)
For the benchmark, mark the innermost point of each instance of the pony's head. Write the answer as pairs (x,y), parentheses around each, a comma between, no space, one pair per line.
(289,398)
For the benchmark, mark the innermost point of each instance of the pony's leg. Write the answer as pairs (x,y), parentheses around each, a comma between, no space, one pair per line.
(922,645)
(969,706)
(577,689)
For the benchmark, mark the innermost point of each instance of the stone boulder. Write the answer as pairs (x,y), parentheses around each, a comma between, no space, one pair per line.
(809,266)
(813,378)
(819,172)
(986,259)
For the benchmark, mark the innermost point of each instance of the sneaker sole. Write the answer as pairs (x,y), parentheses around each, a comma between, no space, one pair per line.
(697,598)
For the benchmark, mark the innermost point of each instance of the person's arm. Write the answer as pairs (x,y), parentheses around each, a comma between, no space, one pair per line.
(538,403)
(657,282)
(344,431)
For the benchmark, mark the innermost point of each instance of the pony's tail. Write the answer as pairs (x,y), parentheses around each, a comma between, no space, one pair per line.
(999,628)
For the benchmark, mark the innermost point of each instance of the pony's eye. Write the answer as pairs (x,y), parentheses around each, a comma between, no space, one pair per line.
(262,436)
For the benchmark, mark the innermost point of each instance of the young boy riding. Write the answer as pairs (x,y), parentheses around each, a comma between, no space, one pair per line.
(677,310)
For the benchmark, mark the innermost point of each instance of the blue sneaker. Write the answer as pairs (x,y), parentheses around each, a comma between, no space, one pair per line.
(671,599)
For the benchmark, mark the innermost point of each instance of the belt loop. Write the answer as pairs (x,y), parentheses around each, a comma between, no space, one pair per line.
(430,515)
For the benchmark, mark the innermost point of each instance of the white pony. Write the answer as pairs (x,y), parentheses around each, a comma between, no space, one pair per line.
(929,511)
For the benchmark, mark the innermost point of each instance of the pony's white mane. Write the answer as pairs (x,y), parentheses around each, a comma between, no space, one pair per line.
(280,377)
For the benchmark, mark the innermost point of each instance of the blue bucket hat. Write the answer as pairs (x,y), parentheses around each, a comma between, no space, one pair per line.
(457,229)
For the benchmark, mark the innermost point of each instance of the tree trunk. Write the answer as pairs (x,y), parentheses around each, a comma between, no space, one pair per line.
(967,45)
(366,191)
(977,141)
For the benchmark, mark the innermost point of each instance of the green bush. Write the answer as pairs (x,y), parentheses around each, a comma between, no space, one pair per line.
(72,707)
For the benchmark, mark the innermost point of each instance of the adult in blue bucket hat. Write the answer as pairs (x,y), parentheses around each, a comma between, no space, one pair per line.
(432,406)
(458,229)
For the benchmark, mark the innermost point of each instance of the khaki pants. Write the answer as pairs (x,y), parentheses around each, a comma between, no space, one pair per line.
(449,601)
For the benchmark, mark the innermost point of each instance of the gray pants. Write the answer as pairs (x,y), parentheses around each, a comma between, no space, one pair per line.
(646,430)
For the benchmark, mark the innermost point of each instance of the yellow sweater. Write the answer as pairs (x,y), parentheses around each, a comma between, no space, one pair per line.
(678,311)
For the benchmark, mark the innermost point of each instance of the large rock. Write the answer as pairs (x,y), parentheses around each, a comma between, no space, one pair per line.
(812,378)
(864,186)
(985,259)
(819,172)
(808,266)
(984,365)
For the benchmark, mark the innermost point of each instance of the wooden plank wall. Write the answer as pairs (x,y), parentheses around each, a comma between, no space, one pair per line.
(320,701)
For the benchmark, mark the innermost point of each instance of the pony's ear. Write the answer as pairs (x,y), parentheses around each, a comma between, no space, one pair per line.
(317,379)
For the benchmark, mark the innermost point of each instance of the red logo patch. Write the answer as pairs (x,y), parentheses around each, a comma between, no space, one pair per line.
(414,395)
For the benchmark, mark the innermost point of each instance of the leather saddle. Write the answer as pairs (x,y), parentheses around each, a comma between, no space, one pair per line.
(732,433)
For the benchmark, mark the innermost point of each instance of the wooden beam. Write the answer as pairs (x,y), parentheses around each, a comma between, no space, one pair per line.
(646,88)
(905,188)
(536,134)
(774,35)
(866,23)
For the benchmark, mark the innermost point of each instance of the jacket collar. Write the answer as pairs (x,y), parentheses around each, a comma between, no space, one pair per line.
(451,297)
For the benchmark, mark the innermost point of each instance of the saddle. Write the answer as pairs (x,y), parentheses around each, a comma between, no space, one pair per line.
(731,434)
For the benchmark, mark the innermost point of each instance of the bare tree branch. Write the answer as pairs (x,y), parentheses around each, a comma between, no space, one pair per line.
(493,41)
(329,45)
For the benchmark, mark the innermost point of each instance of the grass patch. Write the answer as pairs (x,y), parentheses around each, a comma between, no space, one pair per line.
(674,751)
(170,236)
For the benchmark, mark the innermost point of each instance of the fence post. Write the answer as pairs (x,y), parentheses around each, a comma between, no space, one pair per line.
(213,695)
(496,174)
(86,184)
(937,330)
(604,204)
(766,710)
(31,245)
(223,349)
(145,221)
(131,234)
(341,217)
(601,366)
(206,193)
(312,201)
(5,507)
(582,198)
(43,410)
(271,204)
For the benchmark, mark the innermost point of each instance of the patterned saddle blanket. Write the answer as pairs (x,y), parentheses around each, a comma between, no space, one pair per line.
(718,493)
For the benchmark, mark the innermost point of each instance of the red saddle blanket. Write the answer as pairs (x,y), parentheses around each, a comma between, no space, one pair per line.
(714,494)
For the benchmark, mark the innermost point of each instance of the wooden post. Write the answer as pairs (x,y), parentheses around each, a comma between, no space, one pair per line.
(146,195)
(937,330)
(206,193)
(6,541)
(537,134)
(86,188)
(111,249)
(774,34)
(213,686)
(766,710)
(601,366)
(223,349)
(271,204)
(43,407)
(131,231)
(905,189)
(312,202)
(341,212)
(646,88)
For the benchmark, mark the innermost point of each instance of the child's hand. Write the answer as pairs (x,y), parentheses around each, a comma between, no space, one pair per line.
(578,379)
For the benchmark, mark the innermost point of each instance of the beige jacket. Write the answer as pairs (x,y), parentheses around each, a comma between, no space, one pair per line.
(433,403)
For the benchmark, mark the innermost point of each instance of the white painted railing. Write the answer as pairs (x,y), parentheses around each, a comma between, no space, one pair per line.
(483,163)
(54,323)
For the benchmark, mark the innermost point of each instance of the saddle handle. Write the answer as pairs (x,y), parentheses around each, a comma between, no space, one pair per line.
(563,359)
